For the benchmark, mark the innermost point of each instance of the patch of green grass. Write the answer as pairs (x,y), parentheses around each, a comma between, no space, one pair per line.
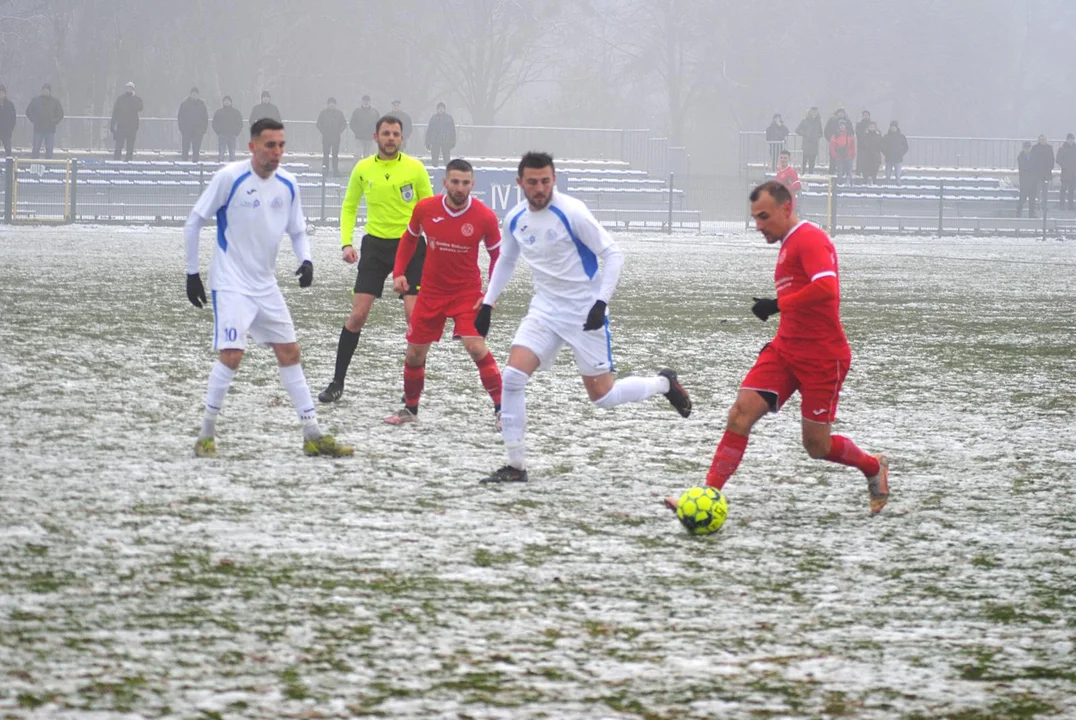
(985,561)
(488,558)
(122,693)
(294,688)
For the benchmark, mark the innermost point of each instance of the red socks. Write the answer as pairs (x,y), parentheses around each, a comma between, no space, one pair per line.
(414,381)
(844,451)
(727,458)
(491,377)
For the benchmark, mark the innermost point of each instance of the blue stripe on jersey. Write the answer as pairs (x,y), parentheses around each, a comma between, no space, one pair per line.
(609,345)
(513,221)
(213,294)
(290,186)
(222,213)
(590,260)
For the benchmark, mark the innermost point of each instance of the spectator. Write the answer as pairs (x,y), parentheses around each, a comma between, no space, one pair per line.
(1029,188)
(441,135)
(894,147)
(787,176)
(775,138)
(831,131)
(124,125)
(44,112)
(810,129)
(1066,160)
(405,120)
(227,124)
(1042,166)
(7,120)
(842,151)
(265,109)
(869,152)
(331,125)
(193,120)
(363,122)
(862,125)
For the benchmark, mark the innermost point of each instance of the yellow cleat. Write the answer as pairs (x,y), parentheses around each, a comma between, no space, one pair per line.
(878,485)
(327,445)
(205,448)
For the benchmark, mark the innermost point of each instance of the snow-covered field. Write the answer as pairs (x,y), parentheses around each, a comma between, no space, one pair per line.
(137,581)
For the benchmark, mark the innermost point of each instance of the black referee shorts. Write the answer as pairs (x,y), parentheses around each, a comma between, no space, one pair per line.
(377,257)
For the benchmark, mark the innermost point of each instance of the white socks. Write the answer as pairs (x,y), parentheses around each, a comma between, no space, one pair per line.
(514,414)
(633,389)
(293,380)
(220,377)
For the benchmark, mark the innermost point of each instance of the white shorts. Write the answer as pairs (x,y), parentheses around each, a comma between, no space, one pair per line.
(265,317)
(544,337)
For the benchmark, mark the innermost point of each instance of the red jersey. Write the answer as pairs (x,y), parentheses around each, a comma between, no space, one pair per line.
(452,239)
(791,180)
(807,254)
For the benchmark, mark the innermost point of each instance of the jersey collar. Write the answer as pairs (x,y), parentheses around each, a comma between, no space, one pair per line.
(794,229)
(450,211)
(398,158)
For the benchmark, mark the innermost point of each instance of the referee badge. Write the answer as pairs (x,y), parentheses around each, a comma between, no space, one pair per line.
(407,192)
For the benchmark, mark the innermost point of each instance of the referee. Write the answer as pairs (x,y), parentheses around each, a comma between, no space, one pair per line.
(393,183)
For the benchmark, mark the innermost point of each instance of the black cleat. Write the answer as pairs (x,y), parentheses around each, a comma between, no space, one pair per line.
(677,396)
(331,393)
(506,474)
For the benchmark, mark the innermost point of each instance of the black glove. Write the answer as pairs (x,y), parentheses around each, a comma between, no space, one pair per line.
(305,273)
(764,307)
(195,290)
(481,320)
(596,317)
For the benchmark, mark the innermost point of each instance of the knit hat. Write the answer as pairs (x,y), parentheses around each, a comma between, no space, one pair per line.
(129,86)
(46,86)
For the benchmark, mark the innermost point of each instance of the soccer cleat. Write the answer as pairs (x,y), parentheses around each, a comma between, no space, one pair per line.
(506,474)
(332,393)
(402,417)
(326,445)
(677,396)
(205,448)
(878,485)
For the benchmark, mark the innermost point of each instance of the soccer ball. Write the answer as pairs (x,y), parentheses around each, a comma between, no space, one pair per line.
(702,510)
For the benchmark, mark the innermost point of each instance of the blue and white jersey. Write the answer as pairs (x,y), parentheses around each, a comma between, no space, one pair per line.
(252,215)
(562,244)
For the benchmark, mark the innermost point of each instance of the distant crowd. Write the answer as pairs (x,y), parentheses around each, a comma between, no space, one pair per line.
(45,113)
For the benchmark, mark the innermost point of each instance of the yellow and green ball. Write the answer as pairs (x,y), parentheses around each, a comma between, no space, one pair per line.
(702,510)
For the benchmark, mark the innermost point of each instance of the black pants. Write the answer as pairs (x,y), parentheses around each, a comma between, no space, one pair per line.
(125,138)
(192,142)
(1028,191)
(7,145)
(808,163)
(1068,189)
(330,146)
(441,150)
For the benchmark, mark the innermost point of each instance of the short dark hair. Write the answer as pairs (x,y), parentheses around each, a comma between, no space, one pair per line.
(389,119)
(226,97)
(784,152)
(264,124)
(266,93)
(536,161)
(458,164)
(774,189)
(331,100)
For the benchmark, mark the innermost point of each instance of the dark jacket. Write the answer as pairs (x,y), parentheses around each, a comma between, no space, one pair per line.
(869,152)
(193,117)
(776,133)
(1023,164)
(810,129)
(405,121)
(45,113)
(1042,161)
(363,121)
(125,113)
(861,127)
(831,126)
(441,131)
(894,147)
(331,123)
(7,118)
(228,121)
(264,110)
(1066,160)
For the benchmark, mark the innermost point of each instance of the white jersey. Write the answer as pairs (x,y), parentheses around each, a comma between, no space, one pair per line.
(562,244)
(252,215)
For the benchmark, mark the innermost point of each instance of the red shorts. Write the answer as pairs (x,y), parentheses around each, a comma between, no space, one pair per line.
(432,311)
(818,381)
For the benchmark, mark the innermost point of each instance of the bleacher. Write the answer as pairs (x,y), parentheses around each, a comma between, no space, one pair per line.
(161,188)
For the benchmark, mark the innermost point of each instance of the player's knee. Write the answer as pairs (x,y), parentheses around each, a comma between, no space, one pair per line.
(513,380)
(817,448)
(356,320)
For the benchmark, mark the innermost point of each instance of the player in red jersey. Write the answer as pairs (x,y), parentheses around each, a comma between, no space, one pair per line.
(809,353)
(787,176)
(454,224)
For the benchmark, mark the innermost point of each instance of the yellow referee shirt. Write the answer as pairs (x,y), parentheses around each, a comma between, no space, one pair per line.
(392,189)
